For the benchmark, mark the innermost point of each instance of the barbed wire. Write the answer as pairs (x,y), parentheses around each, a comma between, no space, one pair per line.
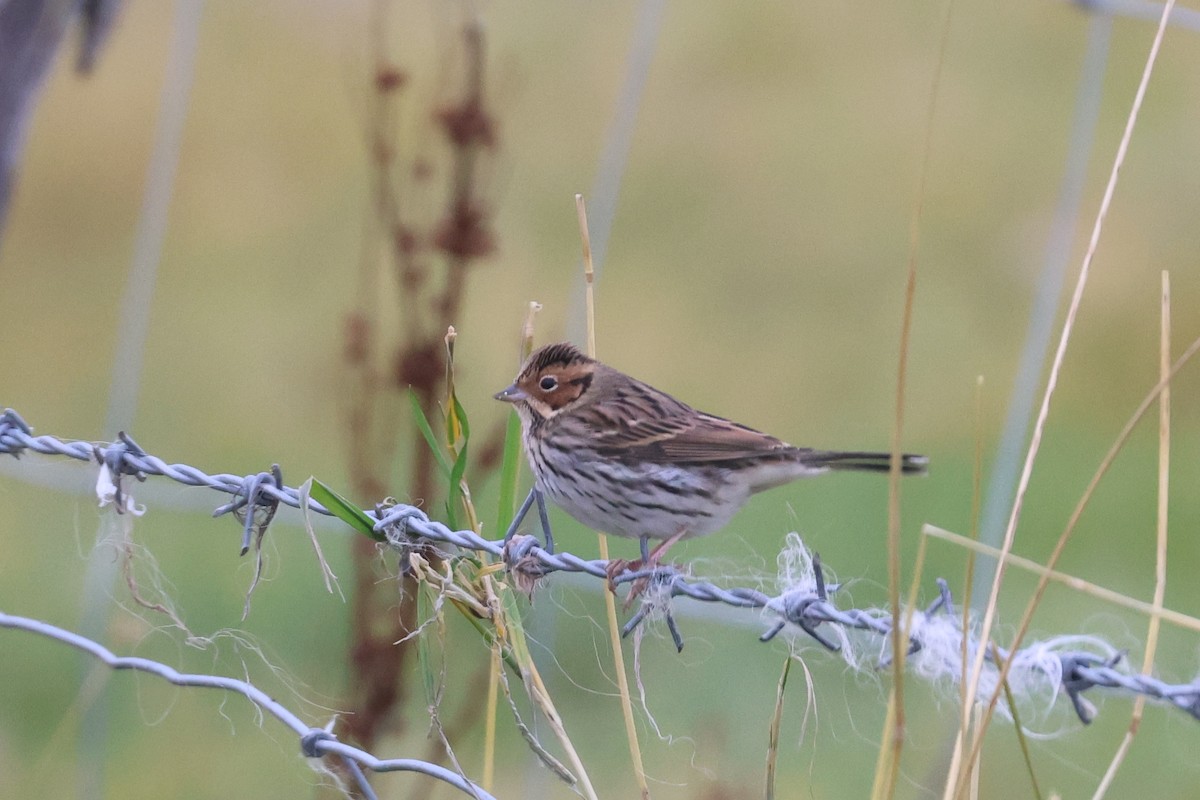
(803,605)
(314,742)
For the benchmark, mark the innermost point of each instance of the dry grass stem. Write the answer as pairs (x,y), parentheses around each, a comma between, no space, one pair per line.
(327,573)
(1077,584)
(1018,728)
(536,689)
(914,588)
(549,761)
(887,763)
(489,718)
(527,330)
(893,736)
(965,702)
(1039,591)
(1060,352)
(1164,474)
(610,600)
(1160,553)
(510,630)
(589,273)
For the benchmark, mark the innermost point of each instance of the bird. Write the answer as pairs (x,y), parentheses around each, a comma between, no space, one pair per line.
(625,458)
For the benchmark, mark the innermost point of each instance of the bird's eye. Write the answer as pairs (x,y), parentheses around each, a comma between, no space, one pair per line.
(548,383)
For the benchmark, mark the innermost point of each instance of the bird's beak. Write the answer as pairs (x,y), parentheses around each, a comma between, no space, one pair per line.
(511,395)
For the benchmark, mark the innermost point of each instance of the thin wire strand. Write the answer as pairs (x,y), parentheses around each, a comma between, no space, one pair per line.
(314,742)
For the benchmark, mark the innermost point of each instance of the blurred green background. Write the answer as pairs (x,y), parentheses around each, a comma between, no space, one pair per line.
(756,270)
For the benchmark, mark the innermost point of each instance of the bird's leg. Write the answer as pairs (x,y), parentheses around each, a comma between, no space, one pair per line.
(533,496)
(545,518)
(650,559)
(520,517)
(654,558)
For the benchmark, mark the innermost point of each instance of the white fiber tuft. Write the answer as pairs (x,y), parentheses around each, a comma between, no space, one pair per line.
(1035,680)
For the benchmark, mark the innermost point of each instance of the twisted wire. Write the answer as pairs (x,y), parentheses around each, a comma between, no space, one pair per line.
(314,742)
(406,527)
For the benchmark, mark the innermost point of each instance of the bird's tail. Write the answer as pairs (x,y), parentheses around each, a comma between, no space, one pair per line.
(910,464)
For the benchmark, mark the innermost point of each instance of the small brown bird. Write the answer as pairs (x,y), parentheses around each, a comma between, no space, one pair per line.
(624,458)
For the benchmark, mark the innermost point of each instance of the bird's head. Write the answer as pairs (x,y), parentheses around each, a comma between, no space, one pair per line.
(555,378)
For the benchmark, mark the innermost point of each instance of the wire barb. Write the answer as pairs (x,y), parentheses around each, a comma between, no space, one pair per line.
(262,505)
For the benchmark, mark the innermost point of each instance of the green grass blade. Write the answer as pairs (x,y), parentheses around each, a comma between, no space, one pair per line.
(460,418)
(773,731)
(429,677)
(489,636)
(1020,731)
(509,467)
(516,629)
(459,432)
(423,426)
(343,509)
(456,474)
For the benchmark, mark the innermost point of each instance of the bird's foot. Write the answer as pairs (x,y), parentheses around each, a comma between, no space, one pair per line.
(650,560)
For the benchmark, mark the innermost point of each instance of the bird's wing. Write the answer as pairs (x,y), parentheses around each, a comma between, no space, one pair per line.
(678,435)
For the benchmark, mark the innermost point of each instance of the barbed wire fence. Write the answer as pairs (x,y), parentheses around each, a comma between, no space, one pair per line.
(1069,665)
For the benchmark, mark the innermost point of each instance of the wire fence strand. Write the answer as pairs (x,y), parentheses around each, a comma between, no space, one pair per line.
(314,742)
(801,606)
